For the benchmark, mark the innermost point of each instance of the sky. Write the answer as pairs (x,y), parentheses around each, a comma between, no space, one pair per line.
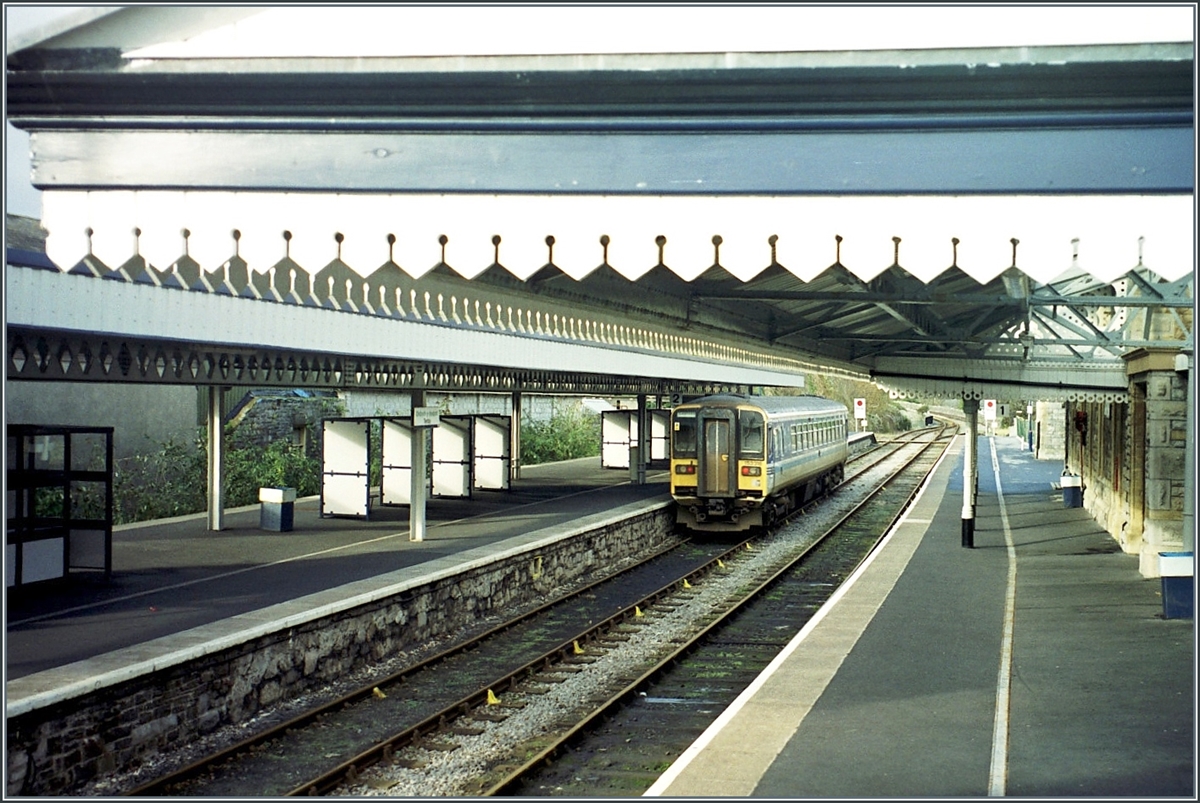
(633,29)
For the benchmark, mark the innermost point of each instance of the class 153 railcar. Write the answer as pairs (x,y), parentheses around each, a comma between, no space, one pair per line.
(739,462)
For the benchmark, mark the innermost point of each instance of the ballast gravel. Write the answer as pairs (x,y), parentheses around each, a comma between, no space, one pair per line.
(457,773)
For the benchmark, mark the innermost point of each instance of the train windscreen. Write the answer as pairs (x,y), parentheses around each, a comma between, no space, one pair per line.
(751,435)
(683,440)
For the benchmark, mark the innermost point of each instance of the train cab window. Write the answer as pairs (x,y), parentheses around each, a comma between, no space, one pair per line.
(683,442)
(751,434)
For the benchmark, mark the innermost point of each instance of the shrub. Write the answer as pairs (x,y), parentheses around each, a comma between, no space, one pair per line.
(278,464)
(173,481)
(570,433)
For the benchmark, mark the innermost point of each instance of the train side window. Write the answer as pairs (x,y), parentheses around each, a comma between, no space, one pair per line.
(683,442)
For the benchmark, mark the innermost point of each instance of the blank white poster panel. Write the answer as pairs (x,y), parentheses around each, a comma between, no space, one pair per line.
(451,460)
(397,463)
(659,438)
(344,474)
(614,438)
(492,439)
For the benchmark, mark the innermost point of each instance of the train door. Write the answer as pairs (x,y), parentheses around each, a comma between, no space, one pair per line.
(717,465)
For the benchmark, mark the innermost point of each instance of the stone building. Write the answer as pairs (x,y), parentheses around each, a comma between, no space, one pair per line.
(1132,457)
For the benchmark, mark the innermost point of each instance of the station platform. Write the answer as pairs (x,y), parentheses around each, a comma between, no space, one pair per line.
(1038,663)
(172,576)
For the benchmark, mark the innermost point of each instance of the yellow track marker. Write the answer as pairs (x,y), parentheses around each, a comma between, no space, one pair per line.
(637,611)
(577,649)
(686,584)
(380,695)
(492,698)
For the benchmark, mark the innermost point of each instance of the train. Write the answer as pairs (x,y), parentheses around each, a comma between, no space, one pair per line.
(740,462)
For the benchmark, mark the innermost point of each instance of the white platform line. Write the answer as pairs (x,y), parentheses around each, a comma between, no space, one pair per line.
(257,566)
(998,773)
(662,785)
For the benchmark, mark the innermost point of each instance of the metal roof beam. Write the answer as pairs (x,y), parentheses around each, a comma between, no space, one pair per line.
(936,161)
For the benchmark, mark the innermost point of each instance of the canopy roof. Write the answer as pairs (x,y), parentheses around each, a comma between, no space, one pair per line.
(948,209)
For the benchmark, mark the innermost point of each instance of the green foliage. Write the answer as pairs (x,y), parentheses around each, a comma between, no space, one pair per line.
(279,464)
(570,433)
(883,414)
(173,481)
(161,484)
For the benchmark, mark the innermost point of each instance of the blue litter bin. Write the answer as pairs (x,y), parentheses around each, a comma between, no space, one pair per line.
(1176,570)
(278,509)
(1072,488)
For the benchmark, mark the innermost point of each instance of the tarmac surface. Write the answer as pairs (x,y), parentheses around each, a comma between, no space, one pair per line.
(1039,663)
(170,576)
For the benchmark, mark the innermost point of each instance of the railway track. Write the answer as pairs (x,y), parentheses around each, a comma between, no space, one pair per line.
(624,744)
(407,721)
(308,752)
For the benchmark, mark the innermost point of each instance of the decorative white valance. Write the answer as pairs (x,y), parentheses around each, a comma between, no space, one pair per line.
(1104,236)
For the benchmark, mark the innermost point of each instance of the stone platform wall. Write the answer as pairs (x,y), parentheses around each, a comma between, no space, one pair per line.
(55,749)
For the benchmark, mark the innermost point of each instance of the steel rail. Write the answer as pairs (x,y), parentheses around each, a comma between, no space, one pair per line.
(348,770)
(190,771)
(618,699)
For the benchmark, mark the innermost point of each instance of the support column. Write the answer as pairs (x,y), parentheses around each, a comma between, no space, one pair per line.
(1189,460)
(971,408)
(216,457)
(420,445)
(643,439)
(514,446)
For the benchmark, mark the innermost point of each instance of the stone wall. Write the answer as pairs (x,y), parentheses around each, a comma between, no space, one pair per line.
(263,417)
(56,749)
(1133,476)
(1050,430)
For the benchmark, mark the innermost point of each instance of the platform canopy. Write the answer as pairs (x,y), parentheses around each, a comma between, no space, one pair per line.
(920,193)
(1043,237)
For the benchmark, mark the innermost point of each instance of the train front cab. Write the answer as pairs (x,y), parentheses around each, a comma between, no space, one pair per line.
(718,466)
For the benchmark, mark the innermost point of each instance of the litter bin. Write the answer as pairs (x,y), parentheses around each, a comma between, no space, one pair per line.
(1176,570)
(1072,488)
(278,509)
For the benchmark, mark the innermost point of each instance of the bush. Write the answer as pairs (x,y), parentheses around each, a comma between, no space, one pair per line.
(162,484)
(568,434)
(276,465)
(174,480)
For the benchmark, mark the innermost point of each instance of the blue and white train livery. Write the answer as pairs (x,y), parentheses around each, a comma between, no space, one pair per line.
(739,462)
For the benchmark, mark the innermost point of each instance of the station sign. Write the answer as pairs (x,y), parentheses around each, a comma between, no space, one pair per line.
(426,416)
(989,409)
(860,409)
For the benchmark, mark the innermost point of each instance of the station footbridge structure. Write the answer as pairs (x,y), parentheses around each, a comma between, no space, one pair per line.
(305,197)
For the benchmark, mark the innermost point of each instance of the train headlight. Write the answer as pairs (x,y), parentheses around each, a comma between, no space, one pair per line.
(685,469)
(751,471)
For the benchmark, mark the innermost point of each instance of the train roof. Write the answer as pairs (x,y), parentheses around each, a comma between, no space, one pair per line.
(778,405)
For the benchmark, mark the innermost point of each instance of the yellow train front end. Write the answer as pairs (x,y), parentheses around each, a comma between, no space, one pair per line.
(719,470)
